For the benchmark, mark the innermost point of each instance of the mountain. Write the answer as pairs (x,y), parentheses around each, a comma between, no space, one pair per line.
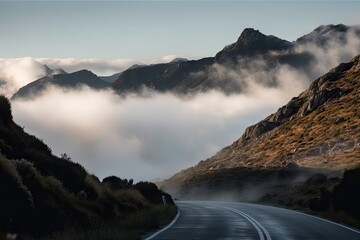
(42,193)
(64,80)
(55,71)
(325,34)
(183,77)
(251,43)
(295,157)
(191,76)
(162,77)
(319,129)
(110,79)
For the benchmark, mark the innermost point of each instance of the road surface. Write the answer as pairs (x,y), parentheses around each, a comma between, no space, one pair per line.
(228,220)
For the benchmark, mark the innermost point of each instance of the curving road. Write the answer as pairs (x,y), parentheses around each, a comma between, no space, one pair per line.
(229,220)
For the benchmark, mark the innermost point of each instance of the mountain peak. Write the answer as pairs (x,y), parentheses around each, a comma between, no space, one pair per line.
(251,43)
(250,34)
(327,34)
(331,27)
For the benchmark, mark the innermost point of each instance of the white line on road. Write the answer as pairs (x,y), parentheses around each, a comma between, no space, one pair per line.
(165,228)
(255,223)
(260,229)
(268,237)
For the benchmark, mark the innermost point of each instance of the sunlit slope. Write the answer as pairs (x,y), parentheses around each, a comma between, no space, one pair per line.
(319,128)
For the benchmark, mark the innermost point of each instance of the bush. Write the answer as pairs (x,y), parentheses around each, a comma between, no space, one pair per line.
(116,183)
(16,201)
(5,110)
(347,193)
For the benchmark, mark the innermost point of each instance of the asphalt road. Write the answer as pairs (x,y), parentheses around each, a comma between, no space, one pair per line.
(228,220)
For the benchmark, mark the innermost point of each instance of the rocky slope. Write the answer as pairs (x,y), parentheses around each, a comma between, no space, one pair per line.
(295,157)
(318,129)
(62,80)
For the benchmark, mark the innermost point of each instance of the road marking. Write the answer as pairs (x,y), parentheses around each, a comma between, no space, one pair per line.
(260,229)
(165,228)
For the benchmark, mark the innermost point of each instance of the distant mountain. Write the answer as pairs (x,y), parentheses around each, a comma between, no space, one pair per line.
(325,34)
(183,76)
(165,76)
(55,71)
(67,80)
(251,43)
(110,79)
(318,129)
(193,76)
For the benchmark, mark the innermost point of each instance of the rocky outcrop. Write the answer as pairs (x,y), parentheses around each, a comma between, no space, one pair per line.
(319,93)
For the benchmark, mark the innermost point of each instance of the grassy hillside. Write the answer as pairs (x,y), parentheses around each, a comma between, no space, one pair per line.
(43,196)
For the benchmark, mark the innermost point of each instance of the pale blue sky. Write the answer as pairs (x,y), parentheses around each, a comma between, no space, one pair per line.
(144,30)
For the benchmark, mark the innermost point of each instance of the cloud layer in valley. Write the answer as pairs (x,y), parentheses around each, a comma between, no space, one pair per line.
(157,134)
(141,137)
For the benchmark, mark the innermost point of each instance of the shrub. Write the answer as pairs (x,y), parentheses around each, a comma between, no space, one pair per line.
(16,201)
(5,110)
(347,193)
(116,183)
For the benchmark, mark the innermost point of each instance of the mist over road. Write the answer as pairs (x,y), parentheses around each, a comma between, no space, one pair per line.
(227,220)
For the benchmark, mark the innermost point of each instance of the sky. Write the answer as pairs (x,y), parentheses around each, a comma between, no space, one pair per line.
(154,135)
(149,30)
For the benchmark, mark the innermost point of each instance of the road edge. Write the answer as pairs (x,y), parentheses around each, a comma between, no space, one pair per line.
(165,228)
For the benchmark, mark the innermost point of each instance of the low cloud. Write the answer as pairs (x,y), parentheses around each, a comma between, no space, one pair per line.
(142,137)
(335,52)
(17,72)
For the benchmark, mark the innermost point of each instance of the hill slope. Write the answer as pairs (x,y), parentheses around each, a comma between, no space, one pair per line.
(42,193)
(319,128)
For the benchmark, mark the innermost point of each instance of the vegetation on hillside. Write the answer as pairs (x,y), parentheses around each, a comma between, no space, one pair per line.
(47,196)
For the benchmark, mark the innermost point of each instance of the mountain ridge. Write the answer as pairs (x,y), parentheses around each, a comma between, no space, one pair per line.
(64,80)
(183,76)
(192,76)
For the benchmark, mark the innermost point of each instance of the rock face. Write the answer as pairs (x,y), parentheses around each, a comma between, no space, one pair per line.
(318,129)
(317,95)
(71,80)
